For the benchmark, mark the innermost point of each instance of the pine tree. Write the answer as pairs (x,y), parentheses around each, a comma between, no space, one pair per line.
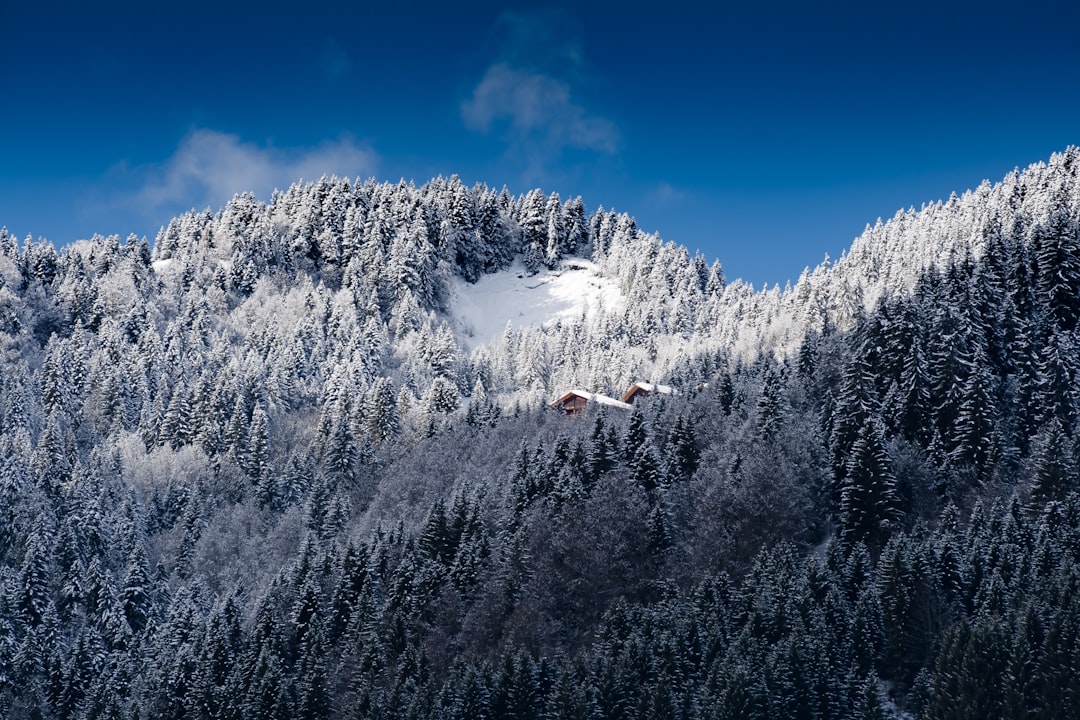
(646,469)
(135,595)
(441,397)
(636,435)
(601,453)
(176,428)
(1052,471)
(1057,254)
(854,411)
(1053,392)
(868,505)
(33,592)
(533,221)
(556,231)
(684,455)
(869,703)
(258,450)
(974,434)
(341,455)
(380,411)
(770,408)
(912,414)
(659,532)
(948,364)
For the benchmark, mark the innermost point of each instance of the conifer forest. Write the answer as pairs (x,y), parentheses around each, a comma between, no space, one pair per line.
(258,468)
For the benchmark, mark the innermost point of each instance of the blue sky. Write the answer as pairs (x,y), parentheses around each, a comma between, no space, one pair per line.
(763,134)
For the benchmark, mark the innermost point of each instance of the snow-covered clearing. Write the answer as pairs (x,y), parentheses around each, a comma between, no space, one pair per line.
(481,310)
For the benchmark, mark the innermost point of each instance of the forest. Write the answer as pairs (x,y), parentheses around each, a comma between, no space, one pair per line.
(253,470)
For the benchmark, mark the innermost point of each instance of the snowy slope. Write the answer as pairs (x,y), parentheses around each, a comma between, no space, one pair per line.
(482,310)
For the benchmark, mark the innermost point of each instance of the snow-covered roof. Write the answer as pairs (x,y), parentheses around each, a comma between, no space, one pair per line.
(592,397)
(652,387)
(648,388)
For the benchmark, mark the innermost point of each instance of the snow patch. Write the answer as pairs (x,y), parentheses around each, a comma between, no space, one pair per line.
(481,310)
(160,266)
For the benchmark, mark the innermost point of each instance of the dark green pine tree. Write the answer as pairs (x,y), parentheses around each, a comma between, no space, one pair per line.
(807,359)
(217,660)
(570,697)
(1057,260)
(770,407)
(516,693)
(32,590)
(135,595)
(646,469)
(55,386)
(533,222)
(52,463)
(465,695)
(1053,394)
(1051,467)
(949,359)
(257,460)
(176,430)
(1059,654)
(660,540)
(313,686)
(436,539)
(989,291)
(683,452)
(636,435)
(727,394)
(521,482)
(269,492)
(1022,698)
(969,673)
(868,503)
(974,442)
(601,451)
(856,405)
(612,692)
(380,410)
(341,455)
(868,706)
(912,413)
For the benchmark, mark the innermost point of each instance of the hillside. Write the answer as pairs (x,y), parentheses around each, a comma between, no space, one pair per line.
(296,460)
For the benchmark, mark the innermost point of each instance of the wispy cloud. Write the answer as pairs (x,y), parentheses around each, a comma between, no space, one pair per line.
(537,109)
(531,95)
(665,194)
(209,167)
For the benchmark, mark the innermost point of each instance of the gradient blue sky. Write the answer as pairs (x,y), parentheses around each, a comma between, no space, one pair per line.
(764,134)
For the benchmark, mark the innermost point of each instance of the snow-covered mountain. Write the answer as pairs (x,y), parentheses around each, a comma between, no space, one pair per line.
(296,460)
(409,273)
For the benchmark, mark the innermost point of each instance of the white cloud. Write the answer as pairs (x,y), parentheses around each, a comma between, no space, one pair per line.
(209,167)
(539,114)
(530,95)
(538,106)
(665,195)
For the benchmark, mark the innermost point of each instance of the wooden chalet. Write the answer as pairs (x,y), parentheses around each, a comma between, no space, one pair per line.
(645,389)
(575,402)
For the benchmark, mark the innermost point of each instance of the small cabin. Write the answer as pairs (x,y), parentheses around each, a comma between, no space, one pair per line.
(645,389)
(575,402)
